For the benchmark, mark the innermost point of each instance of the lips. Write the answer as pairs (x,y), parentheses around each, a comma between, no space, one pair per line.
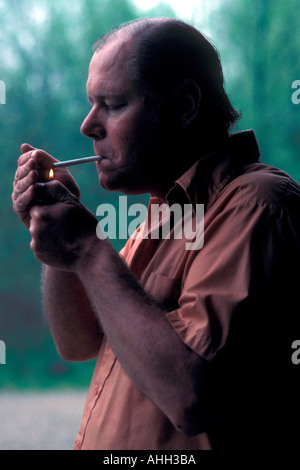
(101,164)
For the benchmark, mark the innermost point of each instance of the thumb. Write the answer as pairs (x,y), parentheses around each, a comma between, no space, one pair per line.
(53,192)
(26,148)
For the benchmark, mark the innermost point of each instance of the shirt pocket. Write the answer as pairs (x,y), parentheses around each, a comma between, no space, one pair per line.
(164,290)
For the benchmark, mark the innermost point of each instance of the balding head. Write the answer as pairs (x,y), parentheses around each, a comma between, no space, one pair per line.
(165,54)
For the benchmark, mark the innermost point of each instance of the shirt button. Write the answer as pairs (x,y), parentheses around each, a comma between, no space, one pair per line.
(96,390)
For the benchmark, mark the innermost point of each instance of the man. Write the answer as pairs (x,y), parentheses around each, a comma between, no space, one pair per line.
(193,346)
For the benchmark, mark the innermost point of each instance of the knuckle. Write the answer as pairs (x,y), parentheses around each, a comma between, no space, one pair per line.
(19,198)
(34,228)
(15,192)
(15,208)
(23,158)
(39,214)
(33,245)
(32,176)
(19,204)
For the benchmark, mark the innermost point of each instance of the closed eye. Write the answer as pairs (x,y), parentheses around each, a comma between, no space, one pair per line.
(114,107)
(107,105)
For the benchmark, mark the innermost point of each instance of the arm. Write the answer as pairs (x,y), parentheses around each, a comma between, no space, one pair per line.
(71,319)
(169,373)
(176,379)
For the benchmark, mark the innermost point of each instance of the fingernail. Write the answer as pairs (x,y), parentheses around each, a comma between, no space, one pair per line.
(34,153)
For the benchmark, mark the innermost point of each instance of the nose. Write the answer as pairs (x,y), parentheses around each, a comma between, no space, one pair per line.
(93,126)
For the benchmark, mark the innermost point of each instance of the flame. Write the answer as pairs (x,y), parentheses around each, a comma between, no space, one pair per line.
(51,174)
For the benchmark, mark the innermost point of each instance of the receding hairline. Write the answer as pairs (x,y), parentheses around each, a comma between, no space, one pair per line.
(165,52)
(130,29)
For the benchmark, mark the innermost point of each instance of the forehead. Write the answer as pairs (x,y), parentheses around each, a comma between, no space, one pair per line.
(108,67)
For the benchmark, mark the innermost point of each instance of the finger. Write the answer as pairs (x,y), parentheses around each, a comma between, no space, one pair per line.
(25,169)
(44,159)
(35,226)
(53,192)
(26,148)
(23,201)
(22,184)
(23,159)
(36,213)
(35,159)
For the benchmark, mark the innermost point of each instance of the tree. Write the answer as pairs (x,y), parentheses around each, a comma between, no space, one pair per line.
(259,44)
(45,51)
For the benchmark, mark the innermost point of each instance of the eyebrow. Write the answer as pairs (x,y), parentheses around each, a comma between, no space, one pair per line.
(107,96)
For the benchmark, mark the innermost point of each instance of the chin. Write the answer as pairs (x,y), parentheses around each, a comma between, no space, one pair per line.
(111,182)
(120,184)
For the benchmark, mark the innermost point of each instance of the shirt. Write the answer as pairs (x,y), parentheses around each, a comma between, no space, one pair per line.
(231,300)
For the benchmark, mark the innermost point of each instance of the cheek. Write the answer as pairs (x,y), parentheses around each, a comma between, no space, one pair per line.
(121,130)
(134,137)
(126,138)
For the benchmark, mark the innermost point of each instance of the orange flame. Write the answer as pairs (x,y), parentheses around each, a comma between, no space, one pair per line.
(51,174)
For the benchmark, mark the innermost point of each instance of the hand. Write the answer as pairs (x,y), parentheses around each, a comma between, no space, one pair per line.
(63,230)
(33,167)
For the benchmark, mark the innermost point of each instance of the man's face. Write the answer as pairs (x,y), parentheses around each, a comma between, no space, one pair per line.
(121,125)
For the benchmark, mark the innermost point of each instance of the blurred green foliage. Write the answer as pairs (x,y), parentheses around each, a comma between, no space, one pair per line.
(259,43)
(45,49)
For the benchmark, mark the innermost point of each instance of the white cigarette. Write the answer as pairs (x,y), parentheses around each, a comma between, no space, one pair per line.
(77,161)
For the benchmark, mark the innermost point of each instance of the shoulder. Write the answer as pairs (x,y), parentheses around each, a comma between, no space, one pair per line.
(260,184)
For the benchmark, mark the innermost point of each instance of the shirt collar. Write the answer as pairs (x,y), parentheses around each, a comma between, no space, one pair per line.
(203,181)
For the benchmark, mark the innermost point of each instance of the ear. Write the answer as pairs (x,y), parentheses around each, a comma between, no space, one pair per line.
(189,98)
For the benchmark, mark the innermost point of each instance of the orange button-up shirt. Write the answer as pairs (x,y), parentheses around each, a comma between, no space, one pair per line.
(230,302)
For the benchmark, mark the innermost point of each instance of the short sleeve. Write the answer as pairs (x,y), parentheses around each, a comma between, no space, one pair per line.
(239,291)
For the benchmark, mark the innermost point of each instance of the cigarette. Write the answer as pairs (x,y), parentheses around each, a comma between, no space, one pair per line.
(77,161)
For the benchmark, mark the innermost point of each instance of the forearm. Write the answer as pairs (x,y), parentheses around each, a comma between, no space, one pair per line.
(150,351)
(73,324)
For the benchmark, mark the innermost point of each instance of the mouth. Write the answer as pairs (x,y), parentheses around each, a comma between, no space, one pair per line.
(99,163)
